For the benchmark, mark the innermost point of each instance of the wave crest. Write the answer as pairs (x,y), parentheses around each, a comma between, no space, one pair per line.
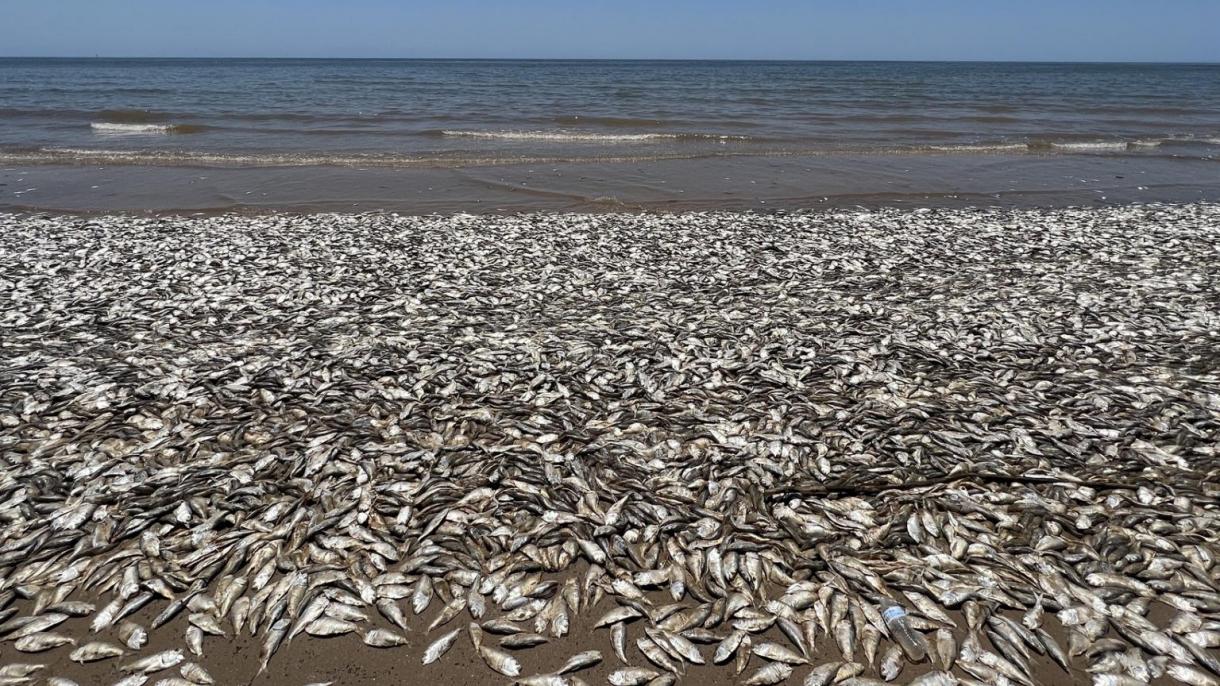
(589,136)
(128,129)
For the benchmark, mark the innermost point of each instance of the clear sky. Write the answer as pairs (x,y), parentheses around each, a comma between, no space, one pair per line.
(1102,30)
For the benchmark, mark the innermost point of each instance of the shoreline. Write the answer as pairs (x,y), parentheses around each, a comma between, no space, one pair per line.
(669,185)
(739,430)
(867,205)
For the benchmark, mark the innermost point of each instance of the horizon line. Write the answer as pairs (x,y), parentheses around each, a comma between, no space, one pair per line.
(612,59)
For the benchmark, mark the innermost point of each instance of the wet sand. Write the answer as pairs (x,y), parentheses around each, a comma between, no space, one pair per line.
(746,183)
(347,661)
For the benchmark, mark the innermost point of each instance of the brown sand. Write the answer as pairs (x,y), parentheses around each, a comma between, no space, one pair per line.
(347,661)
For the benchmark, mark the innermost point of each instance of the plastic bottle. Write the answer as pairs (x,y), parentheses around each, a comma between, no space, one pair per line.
(899,624)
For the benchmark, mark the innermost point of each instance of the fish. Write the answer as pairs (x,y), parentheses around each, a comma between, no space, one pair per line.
(195,674)
(326,627)
(632,676)
(440,646)
(1190,675)
(892,661)
(544,680)
(42,641)
(19,670)
(272,640)
(822,675)
(500,661)
(381,638)
(194,640)
(769,674)
(94,651)
(691,429)
(778,653)
(37,625)
(581,660)
(727,648)
(934,679)
(624,613)
(522,640)
(133,635)
(618,639)
(156,662)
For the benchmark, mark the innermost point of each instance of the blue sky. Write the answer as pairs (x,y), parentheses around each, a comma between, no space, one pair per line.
(1110,30)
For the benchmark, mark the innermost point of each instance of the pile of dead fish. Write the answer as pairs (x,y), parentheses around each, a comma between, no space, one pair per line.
(725,438)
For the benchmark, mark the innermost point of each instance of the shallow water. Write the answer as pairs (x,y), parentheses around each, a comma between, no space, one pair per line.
(867,125)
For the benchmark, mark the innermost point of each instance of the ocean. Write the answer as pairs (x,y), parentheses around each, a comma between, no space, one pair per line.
(634,130)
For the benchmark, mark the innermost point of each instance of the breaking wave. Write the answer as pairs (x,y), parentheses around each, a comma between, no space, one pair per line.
(129,129)
(590,136)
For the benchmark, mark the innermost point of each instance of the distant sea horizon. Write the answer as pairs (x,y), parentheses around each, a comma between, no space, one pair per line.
(698,132)
(611,59)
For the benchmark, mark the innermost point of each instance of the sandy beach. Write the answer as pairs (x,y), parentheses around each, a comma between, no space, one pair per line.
(732,440)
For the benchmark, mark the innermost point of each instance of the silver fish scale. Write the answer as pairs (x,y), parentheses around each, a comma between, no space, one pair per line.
(1004,420)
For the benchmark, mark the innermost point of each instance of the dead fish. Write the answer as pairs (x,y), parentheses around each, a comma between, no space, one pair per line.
(94,651)
(744,651)
(892,662)
(778,653)
(847,670)
(194,640)
(579,661)
(381,638)
(1189,675)
(618,639)
(822,675)
(677,645)
(396,455)
(501,627)
(632,676)
(770,674)
(655,654)
(132,635)
(39,642)
(500,661)
(195,674)
(19,670)
(206,623)
(624,613)
(934,679)
(271,642)
(72,608)
(37,625)
(326,627)
(543,680)
(448,613)
(727,648)
(155,663)
(440,646)
(422,596)
(521,641)
(390,610)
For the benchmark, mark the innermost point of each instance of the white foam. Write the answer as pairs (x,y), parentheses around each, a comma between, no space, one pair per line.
(982,147)
(561,136)
(130,129)
(1091,145)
